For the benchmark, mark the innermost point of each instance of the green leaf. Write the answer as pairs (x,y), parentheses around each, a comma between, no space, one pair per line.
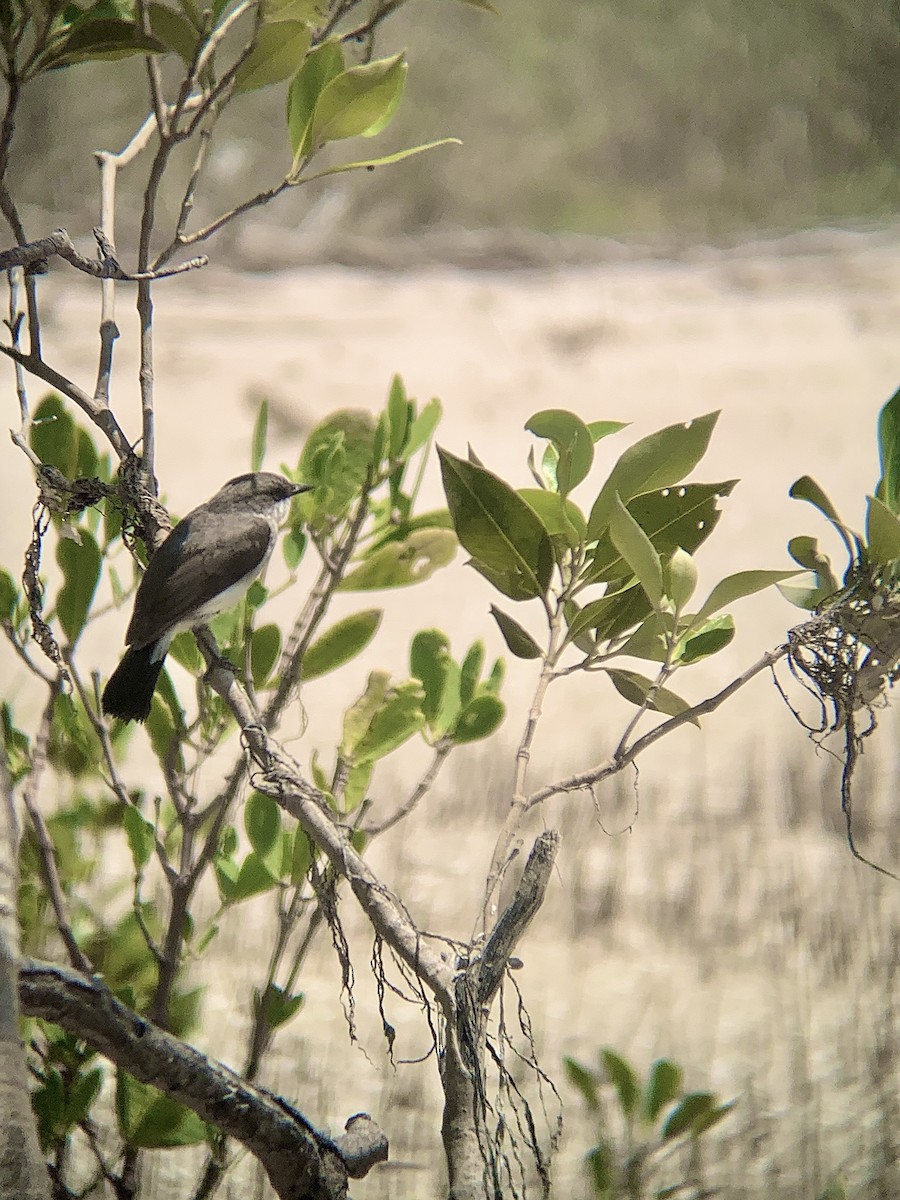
(84,1090)
(882,533)
(805,591)
(679,577)
(9,595)
(141,837)
(807,489)
(301,859)
(399,412)
(185,652)
(322,64)
(711,637)
(81,573)
(736,587)
(98,40)
(479,718)
(663,1086)
(362,712)
(889,453)
(260,435)
(339,644)
(624,1079)
(53,435)
(585,1081)
(671,518)
(711,1118)
(504,535)
(573,442)
(293,544)
(400,717)
(151,1120)
(518,640)
(694,1107)
(359,777)
(637,550)
(649,639)
(430,663)
(635,688)
(386,160)
(561,517)
(401,564)
(175,31)
(602,429)
(657,461)
(601,1163)
(599,615)
(423,427)
(262,820)
(255,877)
(336,460)
(278,1005)
(265,646)
(359,102)
(470,672)
(281,47)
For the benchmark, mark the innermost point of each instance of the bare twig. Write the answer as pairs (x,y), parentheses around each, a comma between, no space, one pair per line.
(422,788)
(59,244)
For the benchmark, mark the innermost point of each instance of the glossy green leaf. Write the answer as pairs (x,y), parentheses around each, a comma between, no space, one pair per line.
(278,1005)
(322,64)
(98,40)
(400,414)
(470,672)
(889,453)
(649,639)
(635,688)
(423,427)
(714,635)
(265,647)
(692,1108)
(573,442)
(585,1081)
(260,436)
(657,461)
(401,564)
(637,551)
(336,460)
(679,577)
(359,102)
(597,615)
(141,837)
(504,535)
(663,1086)
(430,663)
(601,429)
(561,516)
(262,820)
(882,533)
(281,47)
(339,644)
(624,1079)
(174,30)
(671,517)
(479,719)
(9,595)
(518,640)
(54,436)
(736,587)
(256,875)
(807,489)
(395,723)
(81,566)
(150,1120)
(386,160)
(805,591)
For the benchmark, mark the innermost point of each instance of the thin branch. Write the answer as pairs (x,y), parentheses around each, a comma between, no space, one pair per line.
(59,244)
(588,779)
(422,788)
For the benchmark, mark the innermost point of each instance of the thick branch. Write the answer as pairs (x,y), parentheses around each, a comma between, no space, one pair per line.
(301,1162)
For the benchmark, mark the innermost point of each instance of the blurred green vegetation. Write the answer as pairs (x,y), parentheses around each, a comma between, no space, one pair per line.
(702,118)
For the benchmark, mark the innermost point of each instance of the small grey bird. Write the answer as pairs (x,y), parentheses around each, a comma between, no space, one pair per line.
(203,568)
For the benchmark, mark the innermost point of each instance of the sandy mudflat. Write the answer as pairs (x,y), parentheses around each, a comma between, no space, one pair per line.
(798,350)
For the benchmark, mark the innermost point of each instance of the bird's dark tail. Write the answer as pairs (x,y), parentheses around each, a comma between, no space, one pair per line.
(129,693)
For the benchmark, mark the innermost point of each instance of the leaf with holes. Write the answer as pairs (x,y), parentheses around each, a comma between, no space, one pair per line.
(401,564)
(657,461)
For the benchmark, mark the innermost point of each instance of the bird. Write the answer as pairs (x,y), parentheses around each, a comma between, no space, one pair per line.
(204,567)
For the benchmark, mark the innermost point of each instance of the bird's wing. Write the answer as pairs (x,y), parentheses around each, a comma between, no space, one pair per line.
(203,556)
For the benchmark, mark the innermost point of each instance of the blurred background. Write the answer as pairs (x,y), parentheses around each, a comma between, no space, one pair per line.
(648,120)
